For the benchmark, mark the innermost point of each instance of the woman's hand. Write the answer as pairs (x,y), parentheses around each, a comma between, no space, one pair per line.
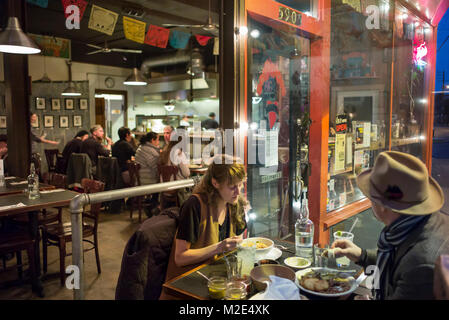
(348,249)
(229,244)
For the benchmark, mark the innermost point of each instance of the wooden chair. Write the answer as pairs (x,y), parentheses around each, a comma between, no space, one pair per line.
(51,155)
(60,234)
(134,180)
(167,174)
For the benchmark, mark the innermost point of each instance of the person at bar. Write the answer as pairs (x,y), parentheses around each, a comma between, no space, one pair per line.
(93,147)
(73,146)
(407,200)
(167,134)
(210,123)
(123,151)
(185,121)
(212,220)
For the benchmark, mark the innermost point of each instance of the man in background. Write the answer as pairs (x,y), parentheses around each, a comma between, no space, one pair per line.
(123,151)
(210,123)
(93,147)
(73,146)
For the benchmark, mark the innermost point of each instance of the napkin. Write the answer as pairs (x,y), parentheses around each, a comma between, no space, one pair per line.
(51,191)
(280,289)
(20,204)
(8,178)
(18,182)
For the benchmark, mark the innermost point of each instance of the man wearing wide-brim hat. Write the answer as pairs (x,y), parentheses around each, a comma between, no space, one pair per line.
(407,200)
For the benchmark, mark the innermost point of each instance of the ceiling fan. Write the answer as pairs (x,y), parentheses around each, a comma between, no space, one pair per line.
(106,49)
(209,26)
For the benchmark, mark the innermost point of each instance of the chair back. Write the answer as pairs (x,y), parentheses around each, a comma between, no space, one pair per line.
(167,173)
(79,167)
(134,173)
(92,186)
(51,155)
(58,180)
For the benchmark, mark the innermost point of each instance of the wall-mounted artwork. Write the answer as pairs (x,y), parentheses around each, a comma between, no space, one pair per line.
(40,103)
(36,123)
(69,104)
(48,121)
(64,121)
(2,122)
(83,104)
(55,104)
(77,121)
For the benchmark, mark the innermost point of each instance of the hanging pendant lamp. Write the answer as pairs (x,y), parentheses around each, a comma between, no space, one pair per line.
(71,90)
(135,79)
(14,40)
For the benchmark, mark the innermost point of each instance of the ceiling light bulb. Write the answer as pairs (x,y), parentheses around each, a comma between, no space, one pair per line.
(255,33)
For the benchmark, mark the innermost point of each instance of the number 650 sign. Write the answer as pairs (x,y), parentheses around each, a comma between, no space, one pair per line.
(289,15)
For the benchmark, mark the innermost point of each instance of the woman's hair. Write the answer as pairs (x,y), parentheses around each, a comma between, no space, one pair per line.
(150,136)
(165,155)
(224,173)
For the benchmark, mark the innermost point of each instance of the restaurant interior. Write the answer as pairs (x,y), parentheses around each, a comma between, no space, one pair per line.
(307,85)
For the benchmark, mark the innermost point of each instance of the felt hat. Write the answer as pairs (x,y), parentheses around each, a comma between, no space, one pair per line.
(401,182)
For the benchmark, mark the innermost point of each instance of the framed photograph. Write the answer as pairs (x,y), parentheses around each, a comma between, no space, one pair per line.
(2,122)
(63,121)
(55,104)
(77,121)
(35,124)
(69,104)
(83,104)
(48,121)
(40,103)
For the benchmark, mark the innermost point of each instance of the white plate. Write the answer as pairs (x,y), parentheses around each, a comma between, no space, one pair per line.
(273,254)
(257,296)
(300,273)
(289,262)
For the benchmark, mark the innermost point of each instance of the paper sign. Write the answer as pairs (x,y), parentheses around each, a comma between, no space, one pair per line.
(216,46)
(2,170)
(271,148)
(340,150)
(102,20)
(157,36)
(367,134)
(354,3)
(40,3)
(134,29)
(202,40)
(81,4)
(179,39)
(53,46)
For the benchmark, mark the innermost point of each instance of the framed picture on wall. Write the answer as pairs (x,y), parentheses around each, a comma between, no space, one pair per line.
(83,104)
(69,104)
(63,121)
(40,103)
(2,122)
(35,124)
(55,104)
(77,121)
(48,121)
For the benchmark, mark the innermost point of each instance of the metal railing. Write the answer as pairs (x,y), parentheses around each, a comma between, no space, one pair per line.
(77,205)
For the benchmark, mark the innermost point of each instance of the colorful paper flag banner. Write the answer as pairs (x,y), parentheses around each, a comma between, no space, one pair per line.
(40,3)
(102,20)
(157,36)
(179,39)
(81,4)
(202,40)
(134,29)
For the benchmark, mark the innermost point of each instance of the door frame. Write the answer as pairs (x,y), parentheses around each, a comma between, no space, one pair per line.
(122,92)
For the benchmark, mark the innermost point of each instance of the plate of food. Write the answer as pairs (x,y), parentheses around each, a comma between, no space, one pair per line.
(262,245)
(325,282)
(297,262)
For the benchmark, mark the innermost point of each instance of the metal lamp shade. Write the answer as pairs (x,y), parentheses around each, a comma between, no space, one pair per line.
(14,40)
(71,91)
(135,79)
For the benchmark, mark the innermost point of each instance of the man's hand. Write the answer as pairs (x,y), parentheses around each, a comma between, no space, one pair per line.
(109,140)
(229,244)
(348,249)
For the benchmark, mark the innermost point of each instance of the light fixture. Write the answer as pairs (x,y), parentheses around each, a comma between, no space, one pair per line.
(71,90)
(169,106)
(14,40)
(135,79)
(255,33)
(243,30)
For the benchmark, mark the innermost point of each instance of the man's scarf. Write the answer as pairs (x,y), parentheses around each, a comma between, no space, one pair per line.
(390,238)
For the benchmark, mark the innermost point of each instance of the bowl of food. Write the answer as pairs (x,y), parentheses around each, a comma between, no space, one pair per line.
(297,262)
(266,261)
(261,274)
(262,245)
(325,282)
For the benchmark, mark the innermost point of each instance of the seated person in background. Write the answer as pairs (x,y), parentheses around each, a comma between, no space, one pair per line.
(4,152)
(167,134)
(212,220)
(123,151)
(73,146)
(93,147)
(147,155)
(210,123)
(408,202)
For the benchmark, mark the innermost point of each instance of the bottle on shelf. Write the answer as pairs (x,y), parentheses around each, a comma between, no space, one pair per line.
(33,184)
(304,231)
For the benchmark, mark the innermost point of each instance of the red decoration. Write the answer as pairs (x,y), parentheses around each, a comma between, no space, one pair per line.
(202,40)
(81,4)
(157,36)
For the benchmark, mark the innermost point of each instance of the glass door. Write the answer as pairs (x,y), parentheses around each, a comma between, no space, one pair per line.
(278,117)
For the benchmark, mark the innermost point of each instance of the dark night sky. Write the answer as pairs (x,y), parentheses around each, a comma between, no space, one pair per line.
(443,52)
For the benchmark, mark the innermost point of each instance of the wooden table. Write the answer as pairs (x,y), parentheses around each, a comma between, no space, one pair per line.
(197,170)
(9,188)
(32,207)
(191,285)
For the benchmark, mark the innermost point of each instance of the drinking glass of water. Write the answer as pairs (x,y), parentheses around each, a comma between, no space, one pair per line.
(343,235)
